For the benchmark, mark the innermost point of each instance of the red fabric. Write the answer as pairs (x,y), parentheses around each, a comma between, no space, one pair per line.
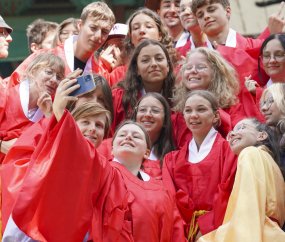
(184,49)
(181,133)
(105,149)
(118,74)
(17,75)
(201,186)
(15,165)
(96,195)
(12,118)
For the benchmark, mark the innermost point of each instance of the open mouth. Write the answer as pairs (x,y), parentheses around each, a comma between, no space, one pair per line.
(194,79)
(90,138)
(127,144)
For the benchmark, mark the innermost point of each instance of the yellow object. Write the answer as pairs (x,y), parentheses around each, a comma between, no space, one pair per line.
(258,195)
(193,230)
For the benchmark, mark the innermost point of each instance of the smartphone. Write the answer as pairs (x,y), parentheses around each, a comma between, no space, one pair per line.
(87,84)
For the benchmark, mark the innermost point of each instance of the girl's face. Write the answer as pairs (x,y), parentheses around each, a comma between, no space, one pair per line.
(152,64)
(150,114)
(143,27)
(97,97)
(130,144)
(270,111)
(199,115)
(243,135)
(187,18)
(198,73)
(67,31)
(48,78)
(93,128)
(274,59)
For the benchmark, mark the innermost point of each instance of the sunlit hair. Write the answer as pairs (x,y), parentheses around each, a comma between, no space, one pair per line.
(210,98)
(107,95)
(224,84)
(60,27)
(133,83)
(147,139)
(200,3)
(165,143)
(280,37)
(166,40)
(44,60)
(270,143)
(91,109)
(98,11)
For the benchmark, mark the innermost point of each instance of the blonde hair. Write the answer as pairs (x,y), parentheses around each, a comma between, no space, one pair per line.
(44,60)
(224,84)
(91,109)
(98,10)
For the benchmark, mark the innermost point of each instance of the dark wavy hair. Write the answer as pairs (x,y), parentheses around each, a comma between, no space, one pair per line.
(281,38)
(166,39)
(165,143)
(270,143)
(132,84)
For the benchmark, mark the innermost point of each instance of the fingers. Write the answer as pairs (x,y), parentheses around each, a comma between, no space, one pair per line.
(109,49)
(215,44)
(65,84)
(74,74)
(280,8)
(247,78)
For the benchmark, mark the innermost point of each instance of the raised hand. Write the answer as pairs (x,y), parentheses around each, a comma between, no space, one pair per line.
(276,21)
(251,85)
(45,104)
(107,57)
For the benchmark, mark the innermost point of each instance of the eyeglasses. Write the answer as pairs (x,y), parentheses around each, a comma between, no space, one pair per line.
(277,57)
(4,33)
(65,34)
(50,74)
(239,128)
(153,110)
(267,103)
(198,68)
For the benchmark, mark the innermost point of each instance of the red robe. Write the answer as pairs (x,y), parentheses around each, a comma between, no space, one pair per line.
(13,121)
(95,195)
(203,186)
(182,134)
(17,75)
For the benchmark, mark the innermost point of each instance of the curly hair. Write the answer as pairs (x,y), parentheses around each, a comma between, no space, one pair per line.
(224,84)
(166,39)
(132,84)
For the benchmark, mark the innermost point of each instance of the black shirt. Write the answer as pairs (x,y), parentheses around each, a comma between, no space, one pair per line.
(79,64)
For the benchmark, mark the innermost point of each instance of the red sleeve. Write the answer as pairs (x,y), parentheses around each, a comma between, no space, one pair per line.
(105,148)
(265,34)
(118,75)
(152,168)
(62,184)
(119,113)
(15,166)
(100,69)
(226,124)
(184,49)
(213,219)
(259,91)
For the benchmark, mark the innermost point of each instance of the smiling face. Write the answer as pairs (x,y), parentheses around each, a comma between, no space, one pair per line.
(93,33)
(199,115)
(97,97)
(198,73)
(213,18)
(168,12)
(4,43)
(187,18)
(152,121)
(245,137)
(129,145)
(270,111)
(152,64)
(93,128)
(274,69)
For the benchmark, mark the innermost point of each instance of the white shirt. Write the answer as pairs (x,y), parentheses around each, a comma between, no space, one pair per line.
(269,83)
(152,156)
(145,176)
(196,156)
(183,39)
(34,114)
(230,42)
(69,54)
(209,45)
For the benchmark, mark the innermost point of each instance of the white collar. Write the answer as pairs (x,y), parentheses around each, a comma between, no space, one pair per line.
(25,97)
(230,42)
(152,155)
(209,45)
(183,39)
(69,54)
(196,156)
(145,176)
(142,91)
(269,83)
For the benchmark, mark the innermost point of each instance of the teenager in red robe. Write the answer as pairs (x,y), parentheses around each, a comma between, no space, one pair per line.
(78,51)
(143,24)
(150,70)
(111,200)
(200,176)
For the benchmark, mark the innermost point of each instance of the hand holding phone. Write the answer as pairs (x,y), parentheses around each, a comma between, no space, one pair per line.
(87,84)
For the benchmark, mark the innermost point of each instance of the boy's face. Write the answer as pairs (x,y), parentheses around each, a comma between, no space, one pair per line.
(213,18)
(93,33)
(48,40)
(168,12)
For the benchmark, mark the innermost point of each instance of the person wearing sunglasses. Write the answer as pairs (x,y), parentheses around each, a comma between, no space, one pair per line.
(256,207)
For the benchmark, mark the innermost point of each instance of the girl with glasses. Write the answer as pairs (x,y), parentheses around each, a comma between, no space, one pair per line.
(256,207)
(201,174)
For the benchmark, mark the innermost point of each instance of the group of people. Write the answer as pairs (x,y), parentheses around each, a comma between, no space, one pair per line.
(182,138)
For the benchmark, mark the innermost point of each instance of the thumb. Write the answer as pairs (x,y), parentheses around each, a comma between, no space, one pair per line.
(215,44)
